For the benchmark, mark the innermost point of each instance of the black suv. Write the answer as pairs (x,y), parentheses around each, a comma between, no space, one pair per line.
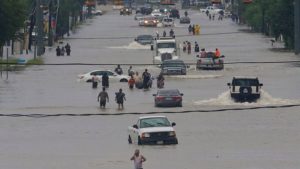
(245,89)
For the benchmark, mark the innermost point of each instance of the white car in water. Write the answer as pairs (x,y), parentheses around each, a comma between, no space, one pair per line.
(152,130)
(87,77)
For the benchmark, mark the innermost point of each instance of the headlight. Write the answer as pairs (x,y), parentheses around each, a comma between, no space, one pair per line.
(145,135)
(172,133)
(146,21)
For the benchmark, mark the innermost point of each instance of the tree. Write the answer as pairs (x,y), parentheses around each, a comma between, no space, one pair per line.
(12,16)
(272,17)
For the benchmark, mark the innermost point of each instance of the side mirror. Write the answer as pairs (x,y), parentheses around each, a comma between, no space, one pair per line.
(181,94)
(197,56)
(152,47)
(135,126)
(228,84)
(261,84)
(222,56)
(135,39)
(154,95)
(173,124)
(187,66)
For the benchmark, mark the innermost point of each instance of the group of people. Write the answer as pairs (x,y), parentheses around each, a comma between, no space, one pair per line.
(188,47)
(212,16)
(164,34)
(135,80)
(64,49)
(194,29)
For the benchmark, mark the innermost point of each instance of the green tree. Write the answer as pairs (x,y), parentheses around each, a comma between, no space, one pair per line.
(68,8)
(272,17)
(12,16)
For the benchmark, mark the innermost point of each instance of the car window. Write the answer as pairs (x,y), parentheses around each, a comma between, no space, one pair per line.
(173,64)
(97,73)
(245,82)
(168,93)
(154,122)
(166,45)
(109,73)
(168,20)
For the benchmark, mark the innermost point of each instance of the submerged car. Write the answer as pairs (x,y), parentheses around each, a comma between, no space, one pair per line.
(87,77)
(173,67)
(125,11)
(174,13)
(210,61)
(139,17)
(144,39)
(245,89)
(168,21)
(185,20)
(168,97)
(152,130)
(149,21)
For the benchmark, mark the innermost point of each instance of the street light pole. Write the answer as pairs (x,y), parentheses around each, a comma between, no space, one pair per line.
(39,25)
(297,26)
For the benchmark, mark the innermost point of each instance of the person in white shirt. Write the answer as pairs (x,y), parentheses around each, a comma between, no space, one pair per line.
(138,159)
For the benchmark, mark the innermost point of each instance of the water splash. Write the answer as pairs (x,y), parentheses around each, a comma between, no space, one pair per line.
(224,99)
(132,45)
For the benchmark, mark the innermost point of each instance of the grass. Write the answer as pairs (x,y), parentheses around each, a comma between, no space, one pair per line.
(14,66)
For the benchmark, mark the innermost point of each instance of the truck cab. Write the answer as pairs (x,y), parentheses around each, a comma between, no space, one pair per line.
(165,48)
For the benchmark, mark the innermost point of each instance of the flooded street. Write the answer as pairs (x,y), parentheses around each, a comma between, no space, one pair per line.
(264,138)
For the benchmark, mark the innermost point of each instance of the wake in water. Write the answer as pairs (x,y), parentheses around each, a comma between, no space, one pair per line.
(132,45)
(193,76)
(266,99)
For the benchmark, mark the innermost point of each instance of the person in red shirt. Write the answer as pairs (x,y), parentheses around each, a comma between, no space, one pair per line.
(218,53)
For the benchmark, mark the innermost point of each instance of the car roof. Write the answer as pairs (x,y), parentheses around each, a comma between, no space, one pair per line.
(245,77)
(174,60)
(167,90)
(101,70)
(146,117)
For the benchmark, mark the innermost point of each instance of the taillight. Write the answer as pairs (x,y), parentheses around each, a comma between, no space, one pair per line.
(176,97)
(159,98)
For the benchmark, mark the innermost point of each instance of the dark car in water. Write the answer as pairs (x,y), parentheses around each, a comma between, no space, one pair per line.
(168,97)
(144,10)
(174,13)
(185,20)
(144,39)
(245,89)
(173,67)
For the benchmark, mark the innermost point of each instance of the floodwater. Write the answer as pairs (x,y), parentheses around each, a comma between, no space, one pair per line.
(236,139)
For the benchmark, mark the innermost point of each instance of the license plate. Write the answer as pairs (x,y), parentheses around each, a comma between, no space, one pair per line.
(160,142)
(168,98)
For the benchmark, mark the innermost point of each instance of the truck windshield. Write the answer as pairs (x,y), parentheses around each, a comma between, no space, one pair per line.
(166,45)
(173,64)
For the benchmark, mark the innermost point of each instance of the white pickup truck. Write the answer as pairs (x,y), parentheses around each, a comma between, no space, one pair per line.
(211,9)
(152,130)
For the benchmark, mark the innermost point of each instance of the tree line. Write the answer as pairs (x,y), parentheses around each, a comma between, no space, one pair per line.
(271,17)
(15,13)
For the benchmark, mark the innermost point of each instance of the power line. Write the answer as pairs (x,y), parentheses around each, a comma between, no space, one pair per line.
(144,64)
(147,113)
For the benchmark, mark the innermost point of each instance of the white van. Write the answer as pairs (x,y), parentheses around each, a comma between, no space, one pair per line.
(168,22)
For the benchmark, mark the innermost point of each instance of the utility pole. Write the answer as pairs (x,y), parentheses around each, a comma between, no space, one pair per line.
(39,25)
(297,26)
(50,34)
